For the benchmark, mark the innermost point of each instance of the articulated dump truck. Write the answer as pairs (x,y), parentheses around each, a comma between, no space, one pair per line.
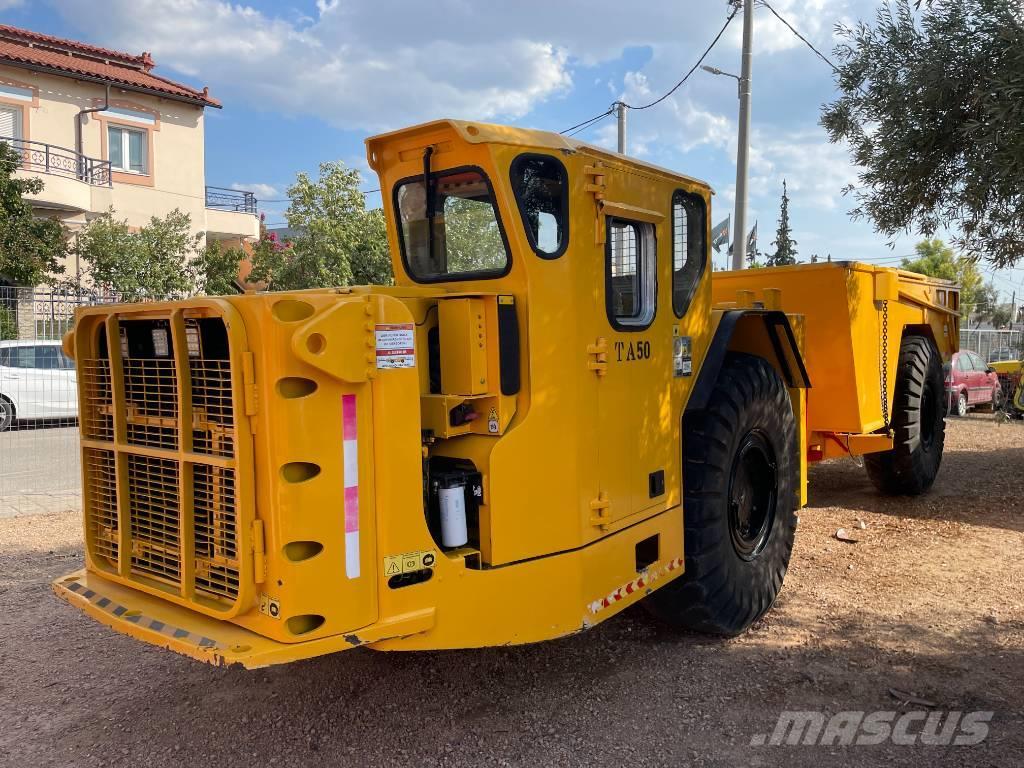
(557,411)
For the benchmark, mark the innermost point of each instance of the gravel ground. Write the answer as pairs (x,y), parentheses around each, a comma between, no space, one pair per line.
(928,601)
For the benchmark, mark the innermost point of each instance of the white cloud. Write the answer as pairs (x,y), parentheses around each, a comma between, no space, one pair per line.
(262,191)
(356,66)
(381,64)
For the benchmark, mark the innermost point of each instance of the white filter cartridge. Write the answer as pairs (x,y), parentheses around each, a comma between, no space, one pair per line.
(453,516)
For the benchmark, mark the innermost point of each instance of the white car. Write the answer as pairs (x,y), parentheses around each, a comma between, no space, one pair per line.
(37,381)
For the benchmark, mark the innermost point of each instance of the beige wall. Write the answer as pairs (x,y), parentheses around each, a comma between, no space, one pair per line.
(176,177)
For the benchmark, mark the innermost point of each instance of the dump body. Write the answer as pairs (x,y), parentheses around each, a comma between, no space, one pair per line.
(855,316)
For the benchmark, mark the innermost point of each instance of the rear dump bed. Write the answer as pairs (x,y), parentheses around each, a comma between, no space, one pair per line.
(856,316)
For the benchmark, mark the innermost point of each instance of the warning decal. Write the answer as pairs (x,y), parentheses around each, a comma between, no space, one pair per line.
(409,562)
(395,347)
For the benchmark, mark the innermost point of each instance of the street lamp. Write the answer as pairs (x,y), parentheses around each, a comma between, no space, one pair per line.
(717,71)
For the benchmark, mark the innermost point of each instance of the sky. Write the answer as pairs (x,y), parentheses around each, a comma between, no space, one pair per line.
(306,81)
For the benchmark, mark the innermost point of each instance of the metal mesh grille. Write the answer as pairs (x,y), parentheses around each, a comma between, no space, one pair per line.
(153,509)
(216,545)
(102,503)
(151,396)
(212,412)
(98,419)
(153,404)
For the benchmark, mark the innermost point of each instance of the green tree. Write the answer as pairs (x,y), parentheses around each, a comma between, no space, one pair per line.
(31,248)
(8,327)
(930,106)
(154,262)
(216,269)
(339,241)
(785,245)
(472,238)
(936,259)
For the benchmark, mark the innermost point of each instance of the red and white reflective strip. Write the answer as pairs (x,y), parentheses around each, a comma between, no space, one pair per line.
(634,586)
(351,451)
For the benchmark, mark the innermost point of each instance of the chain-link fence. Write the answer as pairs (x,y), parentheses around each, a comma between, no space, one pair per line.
(993,345)
(39,457)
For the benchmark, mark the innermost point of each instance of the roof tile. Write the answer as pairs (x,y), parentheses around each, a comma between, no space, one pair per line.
(23,47)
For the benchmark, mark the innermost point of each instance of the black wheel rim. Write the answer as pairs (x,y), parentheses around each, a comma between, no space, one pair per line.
(753,493)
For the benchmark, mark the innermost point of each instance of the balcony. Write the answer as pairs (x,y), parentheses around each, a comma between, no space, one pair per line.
(223,199)
(37,157)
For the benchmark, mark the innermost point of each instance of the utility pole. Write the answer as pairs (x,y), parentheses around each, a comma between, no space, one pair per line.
(620,114)
(739,248)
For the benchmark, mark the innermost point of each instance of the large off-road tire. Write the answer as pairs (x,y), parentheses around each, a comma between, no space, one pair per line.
(740,482)
(6,413)
(919,429)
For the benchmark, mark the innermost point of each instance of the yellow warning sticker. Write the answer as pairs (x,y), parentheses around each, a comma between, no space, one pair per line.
(409,562)
(270,606)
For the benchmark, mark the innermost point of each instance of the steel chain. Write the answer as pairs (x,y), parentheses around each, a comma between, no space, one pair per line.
(885,364)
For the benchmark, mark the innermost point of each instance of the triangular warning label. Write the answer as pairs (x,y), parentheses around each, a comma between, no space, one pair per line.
(392,569)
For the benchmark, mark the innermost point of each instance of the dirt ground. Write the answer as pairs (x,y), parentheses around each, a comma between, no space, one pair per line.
(928,601)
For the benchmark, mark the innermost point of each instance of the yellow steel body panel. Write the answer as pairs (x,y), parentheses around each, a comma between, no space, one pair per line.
(844,306)
(463,346)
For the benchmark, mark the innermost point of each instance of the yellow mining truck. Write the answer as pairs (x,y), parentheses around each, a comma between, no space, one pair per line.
(550,416)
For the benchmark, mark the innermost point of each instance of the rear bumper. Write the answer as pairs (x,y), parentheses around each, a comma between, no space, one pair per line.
(161,623)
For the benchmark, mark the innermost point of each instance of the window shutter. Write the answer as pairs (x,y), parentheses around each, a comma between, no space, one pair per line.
(10,122)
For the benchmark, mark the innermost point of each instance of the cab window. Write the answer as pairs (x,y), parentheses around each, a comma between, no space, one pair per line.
(689,249)
(541,187)
(630,278)
(453,232)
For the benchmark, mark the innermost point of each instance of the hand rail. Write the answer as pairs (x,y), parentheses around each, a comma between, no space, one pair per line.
(60,161)
(224,199)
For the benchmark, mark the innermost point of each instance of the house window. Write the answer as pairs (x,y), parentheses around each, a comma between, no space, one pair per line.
(10,122)
(128,149)
(630,275)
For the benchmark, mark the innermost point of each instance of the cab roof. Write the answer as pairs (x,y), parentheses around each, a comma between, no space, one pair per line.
(474,132)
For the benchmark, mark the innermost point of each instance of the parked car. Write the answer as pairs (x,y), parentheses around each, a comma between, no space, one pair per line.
(970,382)
(1002,355)
(37,381)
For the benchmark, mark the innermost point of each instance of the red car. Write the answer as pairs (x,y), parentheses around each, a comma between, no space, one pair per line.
(970,382)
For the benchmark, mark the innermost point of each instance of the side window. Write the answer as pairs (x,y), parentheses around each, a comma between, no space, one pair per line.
(21,357)
(630,274)
(47,357)
(689,249)
(976,362)
(541,187)
(963,363)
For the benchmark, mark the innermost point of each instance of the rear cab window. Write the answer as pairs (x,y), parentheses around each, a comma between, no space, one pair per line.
(453,231)
(541,187)
(689,248)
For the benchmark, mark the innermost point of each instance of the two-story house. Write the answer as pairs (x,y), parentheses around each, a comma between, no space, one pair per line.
(104,130)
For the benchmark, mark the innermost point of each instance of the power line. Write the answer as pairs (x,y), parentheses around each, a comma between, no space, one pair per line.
(289,199)
(579,127)
(587,123)
(693,68)
(803,39)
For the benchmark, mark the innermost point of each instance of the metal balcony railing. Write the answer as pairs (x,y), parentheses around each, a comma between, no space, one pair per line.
(60,161)
(224,199)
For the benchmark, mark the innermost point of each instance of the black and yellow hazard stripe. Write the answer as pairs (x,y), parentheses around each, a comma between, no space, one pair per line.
(125,614)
